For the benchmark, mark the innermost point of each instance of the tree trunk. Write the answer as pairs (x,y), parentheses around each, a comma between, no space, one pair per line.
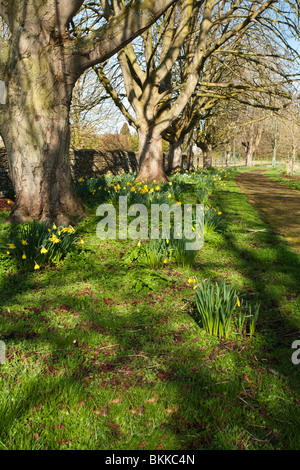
(40,63)
(175,155)
(207,155)
(36,133)
(150,156)
(190,153)
(249,156)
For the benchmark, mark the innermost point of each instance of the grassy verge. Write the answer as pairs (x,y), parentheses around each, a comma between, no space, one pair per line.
(97,360)
(277,175)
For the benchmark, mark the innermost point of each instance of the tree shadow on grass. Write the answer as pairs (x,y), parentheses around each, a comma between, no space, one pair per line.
(273,271)
(95,341)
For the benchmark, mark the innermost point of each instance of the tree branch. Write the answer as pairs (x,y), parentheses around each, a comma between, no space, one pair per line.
(113,94)
(4,46)
(134,19)
(65,11)
(3,11)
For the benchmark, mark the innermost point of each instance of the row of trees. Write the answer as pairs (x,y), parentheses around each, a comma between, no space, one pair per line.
(179,65)
(201,62)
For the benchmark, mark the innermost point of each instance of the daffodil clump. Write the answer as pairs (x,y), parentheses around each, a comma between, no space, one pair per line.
(213,219)
(139,193)
(161,251)
(91,186)
(35,244)
(221,311)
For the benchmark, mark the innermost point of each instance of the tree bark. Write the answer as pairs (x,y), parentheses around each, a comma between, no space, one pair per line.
(150,156)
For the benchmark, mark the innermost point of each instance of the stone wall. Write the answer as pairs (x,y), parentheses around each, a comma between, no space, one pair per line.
(84,163)
(89,163)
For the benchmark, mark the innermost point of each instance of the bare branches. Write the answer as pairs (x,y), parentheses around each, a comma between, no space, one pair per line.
(114,95)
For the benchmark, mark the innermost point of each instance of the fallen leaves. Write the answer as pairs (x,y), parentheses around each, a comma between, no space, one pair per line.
(172,409)
(115,427)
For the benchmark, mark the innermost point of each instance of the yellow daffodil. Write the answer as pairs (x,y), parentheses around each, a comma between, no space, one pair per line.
(170,183)
(24,242)
(169,196)
(36,266)
(54,239)
(238,302)
(157,188)
(165,261)
(219,213)
(11,246)
(81,241)
(23,256)
(43,250)
(8,252)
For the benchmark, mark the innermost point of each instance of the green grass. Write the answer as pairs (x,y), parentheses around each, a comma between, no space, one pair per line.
(102,355)
(276,175)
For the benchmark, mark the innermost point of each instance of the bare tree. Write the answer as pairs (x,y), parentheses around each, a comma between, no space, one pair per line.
(194,32)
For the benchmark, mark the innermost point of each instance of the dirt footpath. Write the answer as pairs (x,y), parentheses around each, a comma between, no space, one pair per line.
(278,204)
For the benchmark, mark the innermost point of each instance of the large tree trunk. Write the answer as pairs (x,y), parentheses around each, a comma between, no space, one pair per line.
(175,155)
(40,64)
(150,156)
(36,133)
